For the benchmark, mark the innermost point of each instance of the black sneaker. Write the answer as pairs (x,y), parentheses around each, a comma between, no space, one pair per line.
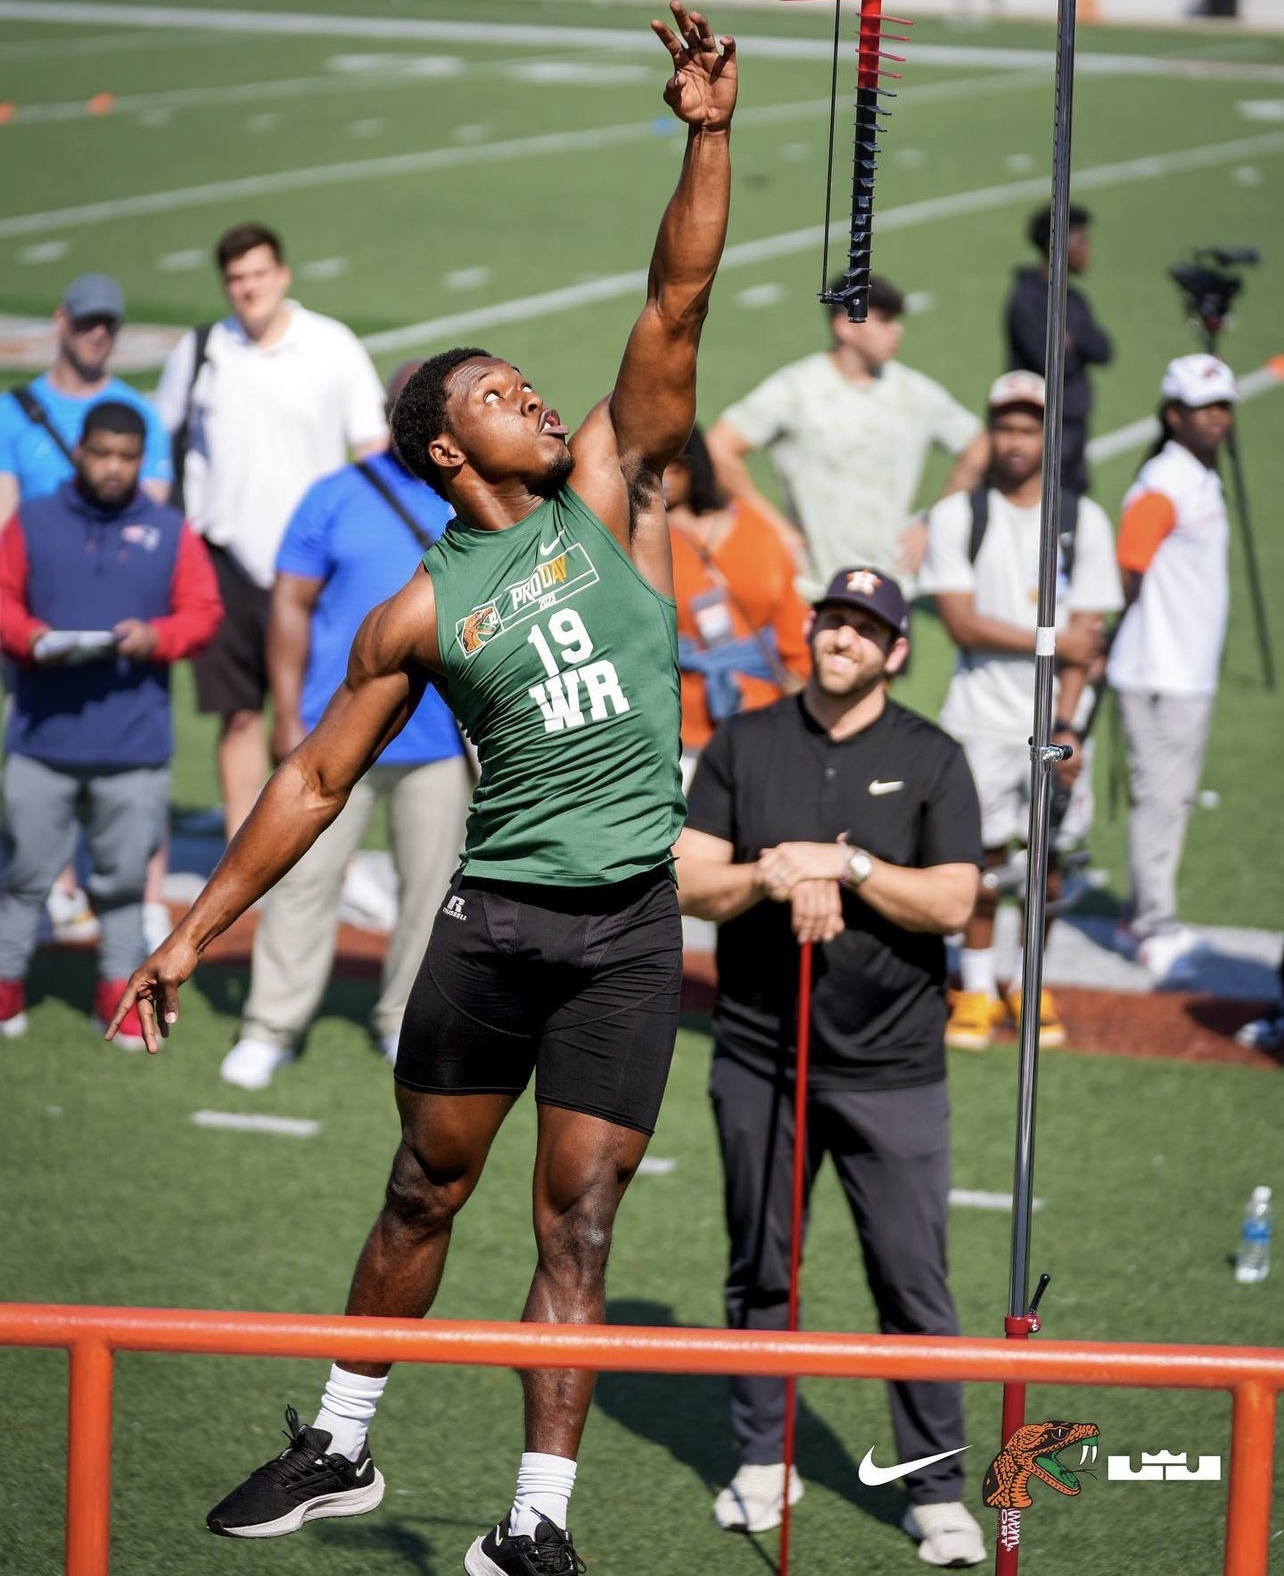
(549,1553)
(302,1484)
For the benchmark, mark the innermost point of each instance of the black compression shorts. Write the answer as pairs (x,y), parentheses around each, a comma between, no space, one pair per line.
(579,985)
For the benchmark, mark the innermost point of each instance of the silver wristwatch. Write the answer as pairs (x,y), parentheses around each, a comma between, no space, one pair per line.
(859,866)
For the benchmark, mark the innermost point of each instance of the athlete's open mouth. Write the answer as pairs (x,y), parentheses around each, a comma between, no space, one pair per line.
(550,425)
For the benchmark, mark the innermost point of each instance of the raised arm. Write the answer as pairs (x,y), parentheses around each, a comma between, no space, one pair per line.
(388,671)
(626,441)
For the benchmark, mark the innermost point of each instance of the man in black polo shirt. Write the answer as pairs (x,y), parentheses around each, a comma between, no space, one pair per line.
(838,817)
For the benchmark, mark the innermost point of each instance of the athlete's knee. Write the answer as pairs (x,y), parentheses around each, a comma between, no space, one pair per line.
(424,1197)
(574,1235)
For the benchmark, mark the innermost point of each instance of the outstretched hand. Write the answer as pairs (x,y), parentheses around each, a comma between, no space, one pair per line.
(153,989)
(702,89)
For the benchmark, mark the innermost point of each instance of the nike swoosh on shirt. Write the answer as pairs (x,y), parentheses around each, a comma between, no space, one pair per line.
(877,787)
(874,1476)
(545,548)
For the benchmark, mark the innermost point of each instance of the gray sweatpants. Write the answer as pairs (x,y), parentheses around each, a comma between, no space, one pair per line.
(891,1150)
(124,813)
(1165,737)
(294,942)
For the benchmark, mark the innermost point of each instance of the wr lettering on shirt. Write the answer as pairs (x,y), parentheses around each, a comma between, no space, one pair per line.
(562,697)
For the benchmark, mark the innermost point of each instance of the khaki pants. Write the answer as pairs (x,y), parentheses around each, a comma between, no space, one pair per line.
(1165,736)
(294,942)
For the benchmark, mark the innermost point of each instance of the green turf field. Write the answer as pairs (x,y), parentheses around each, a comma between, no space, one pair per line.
(485,185)
(438,184)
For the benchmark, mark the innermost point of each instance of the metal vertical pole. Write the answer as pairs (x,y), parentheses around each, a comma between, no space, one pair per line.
(801,1059)
(1043,754)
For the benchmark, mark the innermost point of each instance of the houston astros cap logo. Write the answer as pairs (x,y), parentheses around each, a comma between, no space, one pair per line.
(864,582)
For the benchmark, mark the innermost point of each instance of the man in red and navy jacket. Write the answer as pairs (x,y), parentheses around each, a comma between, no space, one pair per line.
(100,590)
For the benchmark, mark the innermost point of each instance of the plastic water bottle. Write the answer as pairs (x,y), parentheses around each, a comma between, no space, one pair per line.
(1253,1261)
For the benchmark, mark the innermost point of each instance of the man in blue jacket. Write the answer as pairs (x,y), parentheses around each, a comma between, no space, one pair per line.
(100,590)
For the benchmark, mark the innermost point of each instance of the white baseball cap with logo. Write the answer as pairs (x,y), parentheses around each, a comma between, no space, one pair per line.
(1017,388)
(1199,380)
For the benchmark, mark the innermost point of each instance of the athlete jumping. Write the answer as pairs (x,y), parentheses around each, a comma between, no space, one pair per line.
(545,617)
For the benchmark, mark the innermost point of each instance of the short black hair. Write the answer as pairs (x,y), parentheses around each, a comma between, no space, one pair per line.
(242,238)
(884,297)
(419,414)
(113,415)
(705,495)
(1039,228)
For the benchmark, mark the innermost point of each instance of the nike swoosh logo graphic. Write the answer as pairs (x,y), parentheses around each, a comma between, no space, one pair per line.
(545,548)
(874,1476)
(877,787)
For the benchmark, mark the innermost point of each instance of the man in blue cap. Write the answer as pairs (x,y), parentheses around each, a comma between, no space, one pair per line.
(41,421)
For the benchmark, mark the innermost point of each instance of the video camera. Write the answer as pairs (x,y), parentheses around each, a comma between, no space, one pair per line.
(1207,284)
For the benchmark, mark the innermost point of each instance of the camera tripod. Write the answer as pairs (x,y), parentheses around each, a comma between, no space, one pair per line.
(1209,290)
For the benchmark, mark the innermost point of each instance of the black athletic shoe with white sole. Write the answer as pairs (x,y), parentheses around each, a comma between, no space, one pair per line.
(549,1553)
(302,1484)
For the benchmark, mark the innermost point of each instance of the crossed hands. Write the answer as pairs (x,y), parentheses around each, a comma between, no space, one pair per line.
(702,89)
(807,877)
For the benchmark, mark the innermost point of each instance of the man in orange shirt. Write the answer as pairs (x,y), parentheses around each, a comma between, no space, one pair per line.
(740,619)
(1174,538)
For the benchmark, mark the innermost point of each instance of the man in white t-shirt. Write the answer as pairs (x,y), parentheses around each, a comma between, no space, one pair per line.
(848,431)
(281,397)
(986,593)
(1173,542)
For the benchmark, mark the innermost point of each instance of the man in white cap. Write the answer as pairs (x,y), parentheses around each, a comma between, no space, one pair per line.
(1173,541)
(41,421)
(982,568)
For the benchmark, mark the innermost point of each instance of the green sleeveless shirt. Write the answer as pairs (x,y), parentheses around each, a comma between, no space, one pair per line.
(561,665)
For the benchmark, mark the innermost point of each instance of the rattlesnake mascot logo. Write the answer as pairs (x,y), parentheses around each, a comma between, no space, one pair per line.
(1032,1453)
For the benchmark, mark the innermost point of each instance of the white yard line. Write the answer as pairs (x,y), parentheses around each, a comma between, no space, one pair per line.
(747,253)
(974,1198)
(395,165)
(764,46)
(256,1122)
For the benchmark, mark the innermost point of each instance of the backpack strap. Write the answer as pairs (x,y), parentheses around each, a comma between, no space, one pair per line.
(36,413)
(395,504)
(180,441)
(1067,525)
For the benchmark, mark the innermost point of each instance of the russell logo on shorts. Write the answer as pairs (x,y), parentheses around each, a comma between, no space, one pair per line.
(453,908)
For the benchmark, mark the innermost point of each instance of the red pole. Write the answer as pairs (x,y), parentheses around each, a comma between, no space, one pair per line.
(1007,1541)
(89,1458)
(796,1226)
(1248,1506)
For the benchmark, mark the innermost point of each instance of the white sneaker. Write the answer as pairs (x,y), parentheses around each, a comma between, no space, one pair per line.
(752,1502)
(70,916)
(1172,957)
(250,1063)
(157,925)
(1261,1034)
(388,1045)
(946,1534)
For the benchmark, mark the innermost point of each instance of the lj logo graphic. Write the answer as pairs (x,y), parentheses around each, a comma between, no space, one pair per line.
(1164,1467)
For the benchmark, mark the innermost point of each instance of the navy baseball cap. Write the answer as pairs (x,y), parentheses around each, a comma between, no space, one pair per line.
(872,590)
(94,295)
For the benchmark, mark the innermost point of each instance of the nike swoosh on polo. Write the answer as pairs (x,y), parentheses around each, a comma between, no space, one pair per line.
(877,786)
(545,548)
(874,1476)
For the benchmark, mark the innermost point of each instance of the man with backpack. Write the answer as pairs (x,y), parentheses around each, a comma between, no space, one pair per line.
(982,570)
(355,539)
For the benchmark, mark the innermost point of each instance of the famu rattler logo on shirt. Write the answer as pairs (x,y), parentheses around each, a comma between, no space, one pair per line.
(552,582)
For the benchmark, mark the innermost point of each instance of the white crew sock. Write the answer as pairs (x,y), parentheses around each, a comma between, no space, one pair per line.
(544,1485)
(976,970)
(346,1409)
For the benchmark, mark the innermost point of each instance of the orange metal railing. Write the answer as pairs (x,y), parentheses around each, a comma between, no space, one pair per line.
(93,1335)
